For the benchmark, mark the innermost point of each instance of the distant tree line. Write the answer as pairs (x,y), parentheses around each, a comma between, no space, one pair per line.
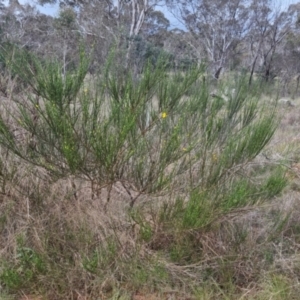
(254,36)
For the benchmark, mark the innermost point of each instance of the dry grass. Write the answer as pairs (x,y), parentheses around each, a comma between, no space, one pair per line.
(91,248)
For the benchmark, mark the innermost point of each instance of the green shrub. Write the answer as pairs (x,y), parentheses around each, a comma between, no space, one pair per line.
(186,155)
(28,265)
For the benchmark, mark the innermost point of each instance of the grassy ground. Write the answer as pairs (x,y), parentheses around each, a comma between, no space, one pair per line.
(249,254)
(66,237)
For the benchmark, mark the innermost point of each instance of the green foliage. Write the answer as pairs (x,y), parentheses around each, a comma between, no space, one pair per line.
(147,273)
(28,265)
(277,286)
(11,278)
(241,193)
(101,257)
(145,231)
(66,19)
(199,211)
(275,183)
(144,52)
(139,131)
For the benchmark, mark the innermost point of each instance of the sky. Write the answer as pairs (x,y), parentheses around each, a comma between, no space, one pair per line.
(285,3)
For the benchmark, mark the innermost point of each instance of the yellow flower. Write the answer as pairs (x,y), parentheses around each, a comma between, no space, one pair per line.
(214,157)
(184,149)
(85,91)
(164,115)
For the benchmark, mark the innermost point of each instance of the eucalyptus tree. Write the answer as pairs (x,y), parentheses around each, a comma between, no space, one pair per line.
(287,58)
(24,25)
(270,26)
(156,27)
(118,22)
(215,27)
(67,35)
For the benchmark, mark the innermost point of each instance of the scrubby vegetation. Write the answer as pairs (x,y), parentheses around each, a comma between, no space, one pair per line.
(159,185)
